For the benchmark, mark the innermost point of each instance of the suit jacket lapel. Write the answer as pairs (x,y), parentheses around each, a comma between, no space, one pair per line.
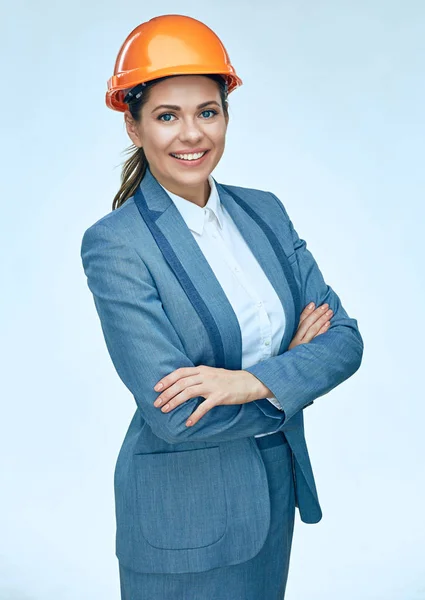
(268,251)
(195,275)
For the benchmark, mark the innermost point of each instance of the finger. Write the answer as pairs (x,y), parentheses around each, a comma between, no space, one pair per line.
(168,380)
(309,321)
(314,320)
(307,311)
(202,410)
(312,314)
(184,396)
(176,392)
(324,328)
(317,326)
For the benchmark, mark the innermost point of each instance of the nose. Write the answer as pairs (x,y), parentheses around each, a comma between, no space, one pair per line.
(190,132)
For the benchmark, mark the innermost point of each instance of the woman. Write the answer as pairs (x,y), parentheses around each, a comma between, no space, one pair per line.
(219,322)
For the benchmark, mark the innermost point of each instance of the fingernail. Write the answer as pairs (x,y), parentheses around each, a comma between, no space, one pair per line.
(310,306)
(189,423)
(158,386)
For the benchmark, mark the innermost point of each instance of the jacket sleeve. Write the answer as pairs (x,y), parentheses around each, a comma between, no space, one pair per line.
(298,376)
(144,346)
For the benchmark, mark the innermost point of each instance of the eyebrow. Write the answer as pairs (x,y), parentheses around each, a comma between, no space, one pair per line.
(175,107)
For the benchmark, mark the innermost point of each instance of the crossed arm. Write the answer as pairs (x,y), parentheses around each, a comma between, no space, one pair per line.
(311,370)
(144,346)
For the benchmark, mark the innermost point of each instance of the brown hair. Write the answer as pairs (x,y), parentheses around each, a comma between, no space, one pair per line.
(134,167)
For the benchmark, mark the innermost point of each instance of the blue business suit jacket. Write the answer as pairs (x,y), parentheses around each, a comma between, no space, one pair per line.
(196,498)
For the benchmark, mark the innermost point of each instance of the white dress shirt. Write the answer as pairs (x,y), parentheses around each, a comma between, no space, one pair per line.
(252,296)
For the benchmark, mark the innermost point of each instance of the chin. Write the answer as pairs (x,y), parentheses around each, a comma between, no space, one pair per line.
(191,179)
(191,173)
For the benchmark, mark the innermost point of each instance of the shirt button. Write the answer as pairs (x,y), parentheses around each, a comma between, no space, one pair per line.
(267,343)
(259,304)
(236,269)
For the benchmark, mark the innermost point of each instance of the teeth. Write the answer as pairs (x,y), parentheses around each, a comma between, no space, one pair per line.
(189,156)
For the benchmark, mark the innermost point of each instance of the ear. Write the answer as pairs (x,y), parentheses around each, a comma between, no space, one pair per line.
(131,126)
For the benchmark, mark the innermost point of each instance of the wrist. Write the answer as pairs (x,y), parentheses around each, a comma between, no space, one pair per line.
(257,389)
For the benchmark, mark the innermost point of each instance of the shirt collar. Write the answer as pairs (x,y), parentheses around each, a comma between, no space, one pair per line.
(194,215)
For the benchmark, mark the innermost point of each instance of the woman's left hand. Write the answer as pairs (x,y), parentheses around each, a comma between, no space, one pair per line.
(218,386)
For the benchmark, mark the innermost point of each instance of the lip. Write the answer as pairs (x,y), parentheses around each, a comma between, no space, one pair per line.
(190,163)
(191,151)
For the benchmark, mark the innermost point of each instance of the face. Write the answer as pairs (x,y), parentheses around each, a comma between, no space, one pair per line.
(198,124)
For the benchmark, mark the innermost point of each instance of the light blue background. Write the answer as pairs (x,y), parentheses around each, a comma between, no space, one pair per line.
(331,119)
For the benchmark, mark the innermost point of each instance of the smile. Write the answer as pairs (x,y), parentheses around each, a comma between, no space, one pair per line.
(190,159)
(189,156)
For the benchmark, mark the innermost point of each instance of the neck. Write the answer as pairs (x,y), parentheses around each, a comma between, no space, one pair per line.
(198,194)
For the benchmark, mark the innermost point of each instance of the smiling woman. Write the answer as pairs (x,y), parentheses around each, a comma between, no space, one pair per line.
(201,287)
(188,73)
(191,129)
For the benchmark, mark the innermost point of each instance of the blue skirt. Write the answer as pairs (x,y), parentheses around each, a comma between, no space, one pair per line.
(264,576)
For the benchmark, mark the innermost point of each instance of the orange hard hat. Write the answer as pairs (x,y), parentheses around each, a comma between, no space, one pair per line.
(168,45)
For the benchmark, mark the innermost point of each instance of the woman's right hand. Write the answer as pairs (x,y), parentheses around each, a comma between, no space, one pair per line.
(313,322)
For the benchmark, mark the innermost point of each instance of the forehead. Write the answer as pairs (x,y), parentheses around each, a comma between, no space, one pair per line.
(185,87)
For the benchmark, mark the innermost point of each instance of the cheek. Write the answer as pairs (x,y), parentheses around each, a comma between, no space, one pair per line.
(158,139)
(218,135)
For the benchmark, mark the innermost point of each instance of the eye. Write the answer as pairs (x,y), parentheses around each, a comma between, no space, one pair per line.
(165,115)
(209,110)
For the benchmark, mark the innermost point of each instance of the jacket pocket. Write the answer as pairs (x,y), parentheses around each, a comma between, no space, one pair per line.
(181,498)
